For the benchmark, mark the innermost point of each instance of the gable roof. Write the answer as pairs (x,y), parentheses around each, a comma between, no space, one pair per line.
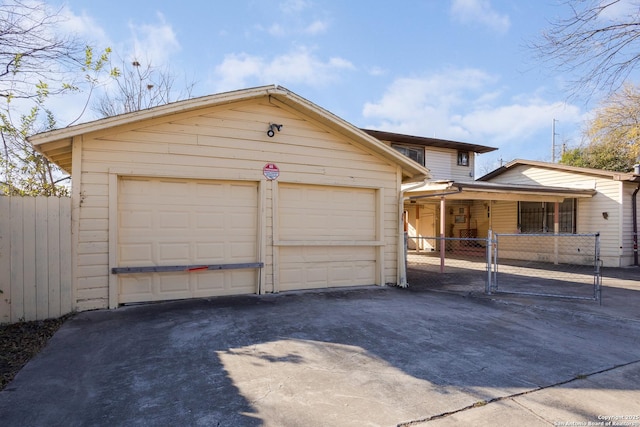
(429,142)
(57,145)
(616,176)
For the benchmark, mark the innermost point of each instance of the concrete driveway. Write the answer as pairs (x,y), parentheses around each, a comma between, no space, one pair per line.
(362,357)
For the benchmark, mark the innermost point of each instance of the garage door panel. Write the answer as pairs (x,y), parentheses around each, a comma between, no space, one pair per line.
(186,222)
(240,251)
(207,281)
(214,191)
(138,254)
(209,252)
(138,288)
(327,253)
(209,221)
(330,213)
(228,282)
(289,277)
(240,195)
(170,283)
(316,214)
(173,253)
(136,220)
(239,220)
(320,267)
(176,220)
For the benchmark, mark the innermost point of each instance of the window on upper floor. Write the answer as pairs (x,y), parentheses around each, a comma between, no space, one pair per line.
(463,158)
(537,217)
(415,153)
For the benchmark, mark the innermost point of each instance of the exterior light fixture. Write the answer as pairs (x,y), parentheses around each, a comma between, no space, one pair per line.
(271,132)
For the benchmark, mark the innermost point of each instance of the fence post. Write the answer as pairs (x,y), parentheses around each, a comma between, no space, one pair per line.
(598,273)
(442,228)
(406,256)
(487,288)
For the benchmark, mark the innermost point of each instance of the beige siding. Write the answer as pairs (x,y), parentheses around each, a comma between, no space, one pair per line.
(590,217)
(443,164)
(222,143)
(504,216)
(532,175)
(480,219)
(627,228)
(423,223)
(35,258)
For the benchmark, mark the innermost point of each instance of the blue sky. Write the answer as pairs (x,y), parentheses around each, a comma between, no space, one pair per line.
(456,69)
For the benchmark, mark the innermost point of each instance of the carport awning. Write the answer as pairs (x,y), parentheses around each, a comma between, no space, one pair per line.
(493,191)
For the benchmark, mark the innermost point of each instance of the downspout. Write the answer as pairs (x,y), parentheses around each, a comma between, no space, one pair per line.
(402,255)
(634,206)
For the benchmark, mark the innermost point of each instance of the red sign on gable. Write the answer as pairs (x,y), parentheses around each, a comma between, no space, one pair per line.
(271,171)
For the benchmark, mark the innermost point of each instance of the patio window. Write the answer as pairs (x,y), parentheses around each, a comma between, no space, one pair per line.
(414,153)
(537,217)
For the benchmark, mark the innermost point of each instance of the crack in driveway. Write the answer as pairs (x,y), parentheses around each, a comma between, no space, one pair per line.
(482,403)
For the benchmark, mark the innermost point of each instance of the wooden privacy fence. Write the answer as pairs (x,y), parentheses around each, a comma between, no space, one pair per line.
(35,258)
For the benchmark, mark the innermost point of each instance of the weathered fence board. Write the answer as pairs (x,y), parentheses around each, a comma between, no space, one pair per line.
(35,258)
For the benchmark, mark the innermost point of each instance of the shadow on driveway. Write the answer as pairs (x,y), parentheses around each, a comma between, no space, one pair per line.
(374,356)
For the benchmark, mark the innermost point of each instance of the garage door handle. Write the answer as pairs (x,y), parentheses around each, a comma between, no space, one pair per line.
(187,268)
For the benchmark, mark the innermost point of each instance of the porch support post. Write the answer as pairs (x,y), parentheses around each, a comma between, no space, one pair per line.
(443,217)
(556,230)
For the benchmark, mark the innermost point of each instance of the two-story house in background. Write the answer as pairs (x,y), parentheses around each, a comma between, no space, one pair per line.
(521,197)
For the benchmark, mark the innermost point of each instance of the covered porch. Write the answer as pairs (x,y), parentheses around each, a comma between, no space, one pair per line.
(469,210)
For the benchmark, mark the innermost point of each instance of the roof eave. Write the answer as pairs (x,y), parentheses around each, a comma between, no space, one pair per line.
(476,191)
(616,176)
(163,110)
(57,139)
(428,142)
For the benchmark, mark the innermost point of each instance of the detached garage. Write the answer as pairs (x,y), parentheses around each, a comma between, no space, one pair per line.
(253,191)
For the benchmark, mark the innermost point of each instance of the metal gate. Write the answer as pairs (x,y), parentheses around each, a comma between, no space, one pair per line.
(550,265)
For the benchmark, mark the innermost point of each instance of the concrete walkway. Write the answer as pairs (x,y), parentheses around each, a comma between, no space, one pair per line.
(374,356)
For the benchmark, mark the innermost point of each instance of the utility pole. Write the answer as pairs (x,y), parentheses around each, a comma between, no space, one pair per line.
(553,140)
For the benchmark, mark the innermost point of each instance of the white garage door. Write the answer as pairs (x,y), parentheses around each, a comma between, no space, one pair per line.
(169,222)
(326,235)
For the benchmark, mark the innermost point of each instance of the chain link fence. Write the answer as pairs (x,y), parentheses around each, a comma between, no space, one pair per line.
(462,266)
(553,265)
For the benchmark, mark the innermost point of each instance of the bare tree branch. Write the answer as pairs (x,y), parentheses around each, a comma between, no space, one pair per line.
(31,49)
(36,62)
(138,87)
(597,46)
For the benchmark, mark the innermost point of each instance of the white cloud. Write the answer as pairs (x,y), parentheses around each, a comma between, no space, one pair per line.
(276,30)
(300,66)
(294,6)
(377,71)
(295,18)
(420,105)
(154,42)
(620,11)
(479,12)
(515,122)
(464,105)
(84,26)
(316,27)
(279,30)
